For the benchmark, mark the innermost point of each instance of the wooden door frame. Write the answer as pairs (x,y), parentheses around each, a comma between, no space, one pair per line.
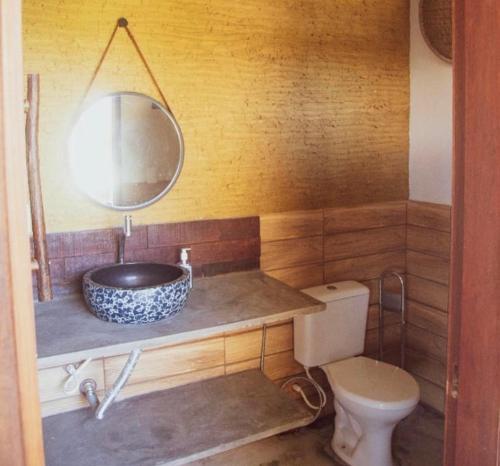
(472,434)
(21,440)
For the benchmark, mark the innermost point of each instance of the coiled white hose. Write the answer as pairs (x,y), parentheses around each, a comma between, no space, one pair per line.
(298,389)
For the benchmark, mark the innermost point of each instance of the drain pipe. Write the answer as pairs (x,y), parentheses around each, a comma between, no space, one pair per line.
(89,386)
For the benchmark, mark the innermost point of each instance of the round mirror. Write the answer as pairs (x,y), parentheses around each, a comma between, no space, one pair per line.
(126,151)
(436,26)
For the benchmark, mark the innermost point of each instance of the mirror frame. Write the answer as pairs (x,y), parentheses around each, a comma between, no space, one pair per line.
(177,173)
(426,37)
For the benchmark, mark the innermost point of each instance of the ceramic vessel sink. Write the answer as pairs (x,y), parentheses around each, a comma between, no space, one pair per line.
(136,293)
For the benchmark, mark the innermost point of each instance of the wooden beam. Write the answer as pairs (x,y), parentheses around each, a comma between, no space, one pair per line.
(20,423)
(35,190)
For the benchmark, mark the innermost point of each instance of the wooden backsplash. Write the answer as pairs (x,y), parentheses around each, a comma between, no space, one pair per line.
(218,246)
(309,248)
(284,105)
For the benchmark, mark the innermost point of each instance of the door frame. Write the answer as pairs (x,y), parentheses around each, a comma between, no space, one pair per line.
(21,441)
(472,430)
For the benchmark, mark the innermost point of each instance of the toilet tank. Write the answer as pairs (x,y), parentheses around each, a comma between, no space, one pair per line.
(336,333)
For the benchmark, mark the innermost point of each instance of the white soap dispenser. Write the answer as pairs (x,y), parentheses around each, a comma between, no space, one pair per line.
(184,263)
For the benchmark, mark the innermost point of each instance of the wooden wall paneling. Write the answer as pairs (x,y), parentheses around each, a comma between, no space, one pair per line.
(301,276)
(425,342)
(427,292)
(365,242)
(243,346)
(429,368)
(52,380)
(427,215)
(172,360)
(428,254)
(392,339)
(390,318)
(281,365)
(164,383)
(279,338)
(292,247)
(242,366)
(391,284)
(428,241)
(430,394)
(427,318)
(364,267)
(289,225)
(345,219)
(21,442)
(288,253)
(425,266)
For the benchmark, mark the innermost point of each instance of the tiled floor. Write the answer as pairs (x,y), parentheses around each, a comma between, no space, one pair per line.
(417,442)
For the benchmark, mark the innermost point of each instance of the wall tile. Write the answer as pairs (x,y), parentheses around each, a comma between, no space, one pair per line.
(344,219)
(365,242)
(436,216)
(432,268)
(428,241)
(218,246)
(203,231)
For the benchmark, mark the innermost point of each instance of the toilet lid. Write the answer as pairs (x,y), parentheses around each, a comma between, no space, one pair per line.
(373,383)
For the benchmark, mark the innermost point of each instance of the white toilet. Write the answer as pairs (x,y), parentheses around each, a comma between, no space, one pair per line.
(371,397)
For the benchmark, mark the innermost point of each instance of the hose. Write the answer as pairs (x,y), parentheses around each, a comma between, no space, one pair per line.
(297,388)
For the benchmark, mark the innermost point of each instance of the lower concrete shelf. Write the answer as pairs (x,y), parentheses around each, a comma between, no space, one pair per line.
(174,426)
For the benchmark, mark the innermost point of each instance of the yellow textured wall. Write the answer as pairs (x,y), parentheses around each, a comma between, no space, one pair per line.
(284,105)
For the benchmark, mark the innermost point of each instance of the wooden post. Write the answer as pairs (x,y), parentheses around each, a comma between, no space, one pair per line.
(35,189)
(21,442)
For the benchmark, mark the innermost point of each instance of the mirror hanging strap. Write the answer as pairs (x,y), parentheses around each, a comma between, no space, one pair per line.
(123,23)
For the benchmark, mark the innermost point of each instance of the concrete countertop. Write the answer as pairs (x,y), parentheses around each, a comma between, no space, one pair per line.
(67,331)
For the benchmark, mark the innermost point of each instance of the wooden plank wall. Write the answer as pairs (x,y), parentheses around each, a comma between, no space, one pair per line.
(308,248)
(428,263)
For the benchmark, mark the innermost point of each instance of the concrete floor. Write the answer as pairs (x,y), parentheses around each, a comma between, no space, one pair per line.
(418,441)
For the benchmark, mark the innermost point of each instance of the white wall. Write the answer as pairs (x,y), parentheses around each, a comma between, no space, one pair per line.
(430,119)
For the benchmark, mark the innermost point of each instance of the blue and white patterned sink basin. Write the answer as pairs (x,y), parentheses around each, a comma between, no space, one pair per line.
(136,292)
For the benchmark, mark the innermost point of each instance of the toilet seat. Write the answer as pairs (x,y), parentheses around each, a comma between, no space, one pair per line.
(373,384)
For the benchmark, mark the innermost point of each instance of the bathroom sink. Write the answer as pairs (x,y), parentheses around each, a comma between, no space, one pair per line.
(136,292)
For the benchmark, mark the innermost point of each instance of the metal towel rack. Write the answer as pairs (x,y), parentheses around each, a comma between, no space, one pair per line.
(389,307)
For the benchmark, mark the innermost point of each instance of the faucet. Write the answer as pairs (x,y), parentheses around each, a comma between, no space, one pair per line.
(127,231)
(88,387)
(184,263)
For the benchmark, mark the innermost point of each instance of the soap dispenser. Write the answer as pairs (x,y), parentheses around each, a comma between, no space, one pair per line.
(184,263)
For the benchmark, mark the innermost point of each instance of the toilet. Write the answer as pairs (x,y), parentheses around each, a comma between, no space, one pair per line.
(371,397)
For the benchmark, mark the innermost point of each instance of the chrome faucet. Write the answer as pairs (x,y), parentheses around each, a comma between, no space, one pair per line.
(127,231)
